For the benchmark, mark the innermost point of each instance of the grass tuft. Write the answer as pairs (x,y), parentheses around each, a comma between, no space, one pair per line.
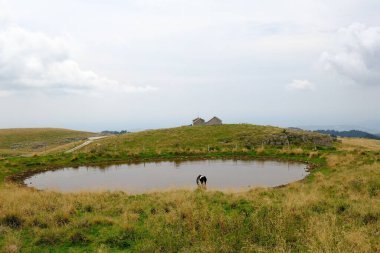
(12,220)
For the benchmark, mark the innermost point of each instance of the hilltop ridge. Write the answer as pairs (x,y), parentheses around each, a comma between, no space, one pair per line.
(228,137)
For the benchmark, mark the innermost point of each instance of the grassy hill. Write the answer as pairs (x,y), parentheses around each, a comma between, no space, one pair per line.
(21,140)
(203,139)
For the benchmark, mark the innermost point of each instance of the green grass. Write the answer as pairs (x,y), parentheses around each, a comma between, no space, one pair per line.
(335,209)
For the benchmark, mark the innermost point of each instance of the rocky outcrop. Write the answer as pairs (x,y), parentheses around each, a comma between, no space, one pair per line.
(299,138)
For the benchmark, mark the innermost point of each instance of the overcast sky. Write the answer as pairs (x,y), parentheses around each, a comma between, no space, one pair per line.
(138,64)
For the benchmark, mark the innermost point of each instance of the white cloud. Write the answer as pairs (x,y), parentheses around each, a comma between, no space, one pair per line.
(36,61)
(4,14)
(4,93)
(302,85)
(357,54)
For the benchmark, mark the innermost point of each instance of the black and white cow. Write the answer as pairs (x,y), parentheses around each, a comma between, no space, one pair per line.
(201,180)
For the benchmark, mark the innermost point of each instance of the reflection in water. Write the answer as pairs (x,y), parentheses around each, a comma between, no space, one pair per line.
(144,177)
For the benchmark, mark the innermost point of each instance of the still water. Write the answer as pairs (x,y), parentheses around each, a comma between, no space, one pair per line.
(152,176)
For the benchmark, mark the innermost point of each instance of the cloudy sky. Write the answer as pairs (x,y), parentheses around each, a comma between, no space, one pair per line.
(138,64)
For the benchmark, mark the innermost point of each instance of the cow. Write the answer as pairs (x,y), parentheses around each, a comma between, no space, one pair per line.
(201,181)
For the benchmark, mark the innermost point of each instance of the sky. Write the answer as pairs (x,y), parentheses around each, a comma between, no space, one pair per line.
(143,64)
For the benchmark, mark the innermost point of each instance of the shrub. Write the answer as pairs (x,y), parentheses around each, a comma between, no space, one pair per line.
(12,221)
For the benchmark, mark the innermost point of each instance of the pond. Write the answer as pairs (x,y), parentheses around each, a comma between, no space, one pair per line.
(155,176)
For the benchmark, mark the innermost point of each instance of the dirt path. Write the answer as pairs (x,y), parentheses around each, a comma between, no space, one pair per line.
(89,141)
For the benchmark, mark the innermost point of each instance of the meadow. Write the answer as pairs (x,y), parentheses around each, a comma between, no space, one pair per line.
(335,209)
(38,140)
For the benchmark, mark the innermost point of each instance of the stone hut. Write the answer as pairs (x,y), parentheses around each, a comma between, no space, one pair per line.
(214,121)
(201,122)
(198,122)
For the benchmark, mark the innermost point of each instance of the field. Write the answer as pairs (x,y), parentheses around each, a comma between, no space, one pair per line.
(335,209)
(37,140)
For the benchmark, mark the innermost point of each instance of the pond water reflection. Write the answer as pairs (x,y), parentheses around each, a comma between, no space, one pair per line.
(146,177)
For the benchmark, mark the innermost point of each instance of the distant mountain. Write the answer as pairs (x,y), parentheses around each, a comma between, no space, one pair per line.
(296,129)
(351,133)
(108,132)
(371,130)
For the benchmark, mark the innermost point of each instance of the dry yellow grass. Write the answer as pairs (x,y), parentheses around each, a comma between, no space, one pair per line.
(352,143)
(338,212)
(292,151)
